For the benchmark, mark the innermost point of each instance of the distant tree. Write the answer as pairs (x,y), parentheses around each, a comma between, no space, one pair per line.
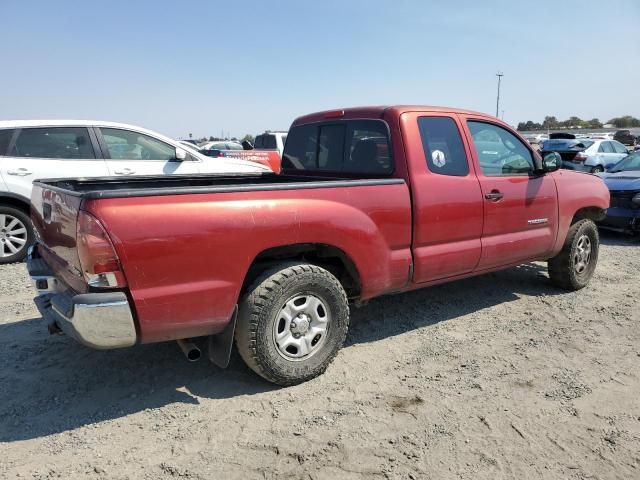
(626,121)
(249,138)
(594,123)
(550,122)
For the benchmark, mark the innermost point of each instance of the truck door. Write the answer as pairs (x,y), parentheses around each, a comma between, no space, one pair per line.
(520,207)
(447,202)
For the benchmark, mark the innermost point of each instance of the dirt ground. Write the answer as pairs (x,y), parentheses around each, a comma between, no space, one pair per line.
(500,376)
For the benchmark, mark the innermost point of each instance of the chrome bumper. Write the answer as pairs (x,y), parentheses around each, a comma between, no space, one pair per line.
(97,320)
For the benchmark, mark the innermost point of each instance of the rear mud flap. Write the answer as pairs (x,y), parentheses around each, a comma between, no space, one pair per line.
(220,345)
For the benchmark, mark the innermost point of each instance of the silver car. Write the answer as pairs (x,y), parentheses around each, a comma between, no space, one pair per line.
(586,154)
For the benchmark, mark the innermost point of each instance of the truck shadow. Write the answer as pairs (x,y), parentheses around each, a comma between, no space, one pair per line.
(50,385)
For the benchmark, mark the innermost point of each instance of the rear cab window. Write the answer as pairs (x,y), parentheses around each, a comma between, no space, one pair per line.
(265,142)
(357,147)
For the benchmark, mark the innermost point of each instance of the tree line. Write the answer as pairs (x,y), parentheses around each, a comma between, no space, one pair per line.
(551,122)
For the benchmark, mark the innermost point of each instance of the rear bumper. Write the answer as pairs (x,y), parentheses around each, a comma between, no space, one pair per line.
(97,320)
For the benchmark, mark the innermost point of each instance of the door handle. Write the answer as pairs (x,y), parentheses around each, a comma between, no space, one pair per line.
(20,172)
(494,195)
(125,171)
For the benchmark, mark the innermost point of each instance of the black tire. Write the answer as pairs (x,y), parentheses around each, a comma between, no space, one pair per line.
(597,169)
(260,317)
(6,256)
(563,268)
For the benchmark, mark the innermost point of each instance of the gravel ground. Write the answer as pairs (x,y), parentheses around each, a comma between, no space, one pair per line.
(500,376)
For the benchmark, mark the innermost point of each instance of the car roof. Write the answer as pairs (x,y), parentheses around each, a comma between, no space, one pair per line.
(379,111)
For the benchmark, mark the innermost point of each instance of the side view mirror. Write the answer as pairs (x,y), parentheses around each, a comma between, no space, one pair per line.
(180,154)
(247,145)
(551,162)
(609,166)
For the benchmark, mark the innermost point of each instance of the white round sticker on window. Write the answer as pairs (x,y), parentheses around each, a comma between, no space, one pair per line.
(439,160)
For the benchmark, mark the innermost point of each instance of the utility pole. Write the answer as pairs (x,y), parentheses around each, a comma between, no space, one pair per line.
(499,75)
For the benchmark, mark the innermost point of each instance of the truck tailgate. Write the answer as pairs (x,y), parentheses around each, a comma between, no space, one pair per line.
(55,215)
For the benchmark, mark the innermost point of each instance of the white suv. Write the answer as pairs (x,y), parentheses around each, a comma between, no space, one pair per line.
(31,150)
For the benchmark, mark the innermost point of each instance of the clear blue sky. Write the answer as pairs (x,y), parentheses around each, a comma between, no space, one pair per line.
(245,66)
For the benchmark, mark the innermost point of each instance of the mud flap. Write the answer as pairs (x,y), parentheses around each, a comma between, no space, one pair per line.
(220,345)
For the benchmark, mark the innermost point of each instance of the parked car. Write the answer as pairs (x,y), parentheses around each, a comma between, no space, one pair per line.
(64,148)
(587,155)
(270,141)
(370,201)
(189,144)
(214,149)
(623,181)
(625,137)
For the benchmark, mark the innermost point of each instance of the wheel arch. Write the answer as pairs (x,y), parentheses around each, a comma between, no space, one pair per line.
(330,257)
(12,200)
(592,213)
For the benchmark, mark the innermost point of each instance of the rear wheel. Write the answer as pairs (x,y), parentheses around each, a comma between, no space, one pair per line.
(291,323)
(597,169)
(16,234)
(573,267)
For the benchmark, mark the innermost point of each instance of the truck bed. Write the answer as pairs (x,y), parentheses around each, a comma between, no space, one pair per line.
(144,186)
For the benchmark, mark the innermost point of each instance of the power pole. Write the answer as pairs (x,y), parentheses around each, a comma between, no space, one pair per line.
(499,75)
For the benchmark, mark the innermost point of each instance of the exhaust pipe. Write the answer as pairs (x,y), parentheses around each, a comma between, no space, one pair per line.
(190,350)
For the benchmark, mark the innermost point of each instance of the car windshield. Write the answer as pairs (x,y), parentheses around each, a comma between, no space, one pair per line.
(631,162)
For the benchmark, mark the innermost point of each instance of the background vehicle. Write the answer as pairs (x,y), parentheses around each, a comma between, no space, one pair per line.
(587,155)
(270,141)
(370,201)
(623,181)
(189,144)
(213,149)
(625,137)
(63,148)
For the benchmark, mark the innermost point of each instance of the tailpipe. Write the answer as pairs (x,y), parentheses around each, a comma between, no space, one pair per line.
(190,350)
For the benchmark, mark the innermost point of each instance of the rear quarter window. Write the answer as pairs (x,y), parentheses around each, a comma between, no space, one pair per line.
(5,138)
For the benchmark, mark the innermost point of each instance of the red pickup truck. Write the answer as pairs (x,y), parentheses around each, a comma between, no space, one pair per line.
(370,201)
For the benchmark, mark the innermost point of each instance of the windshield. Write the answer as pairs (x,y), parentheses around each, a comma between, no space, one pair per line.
(631,162)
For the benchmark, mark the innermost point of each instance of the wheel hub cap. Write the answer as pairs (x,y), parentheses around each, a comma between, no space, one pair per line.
(301,327)
(13,235)
(582,254)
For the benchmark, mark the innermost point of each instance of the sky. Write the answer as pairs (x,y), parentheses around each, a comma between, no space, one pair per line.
(241,66)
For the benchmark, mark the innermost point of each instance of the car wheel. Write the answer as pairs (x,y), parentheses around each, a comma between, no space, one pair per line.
(597,169)
(573,267)
(291,323)
(16,234)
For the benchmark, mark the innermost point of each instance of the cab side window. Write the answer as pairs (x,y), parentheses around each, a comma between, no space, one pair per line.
(443,147)
(500,153)
(130,145)
(53,142)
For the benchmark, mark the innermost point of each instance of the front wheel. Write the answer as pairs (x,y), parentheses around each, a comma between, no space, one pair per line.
(573,267)
(16,234)
(291,323)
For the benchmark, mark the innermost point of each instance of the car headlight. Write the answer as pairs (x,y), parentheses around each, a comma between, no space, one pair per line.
(636,199)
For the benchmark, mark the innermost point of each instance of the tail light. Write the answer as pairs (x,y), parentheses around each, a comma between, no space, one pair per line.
(580,157)
(99,261)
